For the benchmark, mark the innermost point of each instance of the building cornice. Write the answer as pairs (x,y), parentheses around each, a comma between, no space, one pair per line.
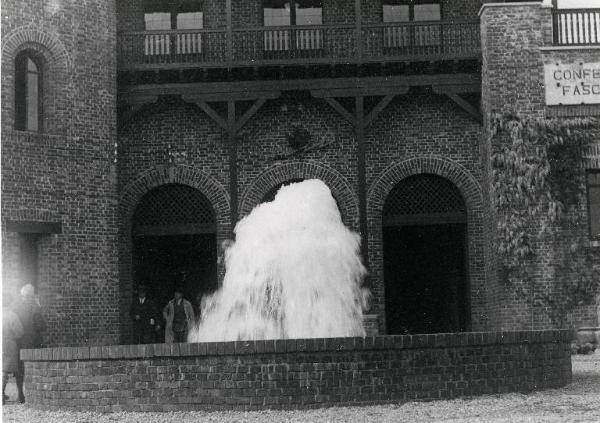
(508,4)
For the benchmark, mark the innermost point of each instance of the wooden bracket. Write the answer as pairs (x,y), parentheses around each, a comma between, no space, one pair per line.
(453,91)
(378,108)
(369,118)
(228,125)
(340,109)
(136,103)
(249,113)
(212,113)
(467,107)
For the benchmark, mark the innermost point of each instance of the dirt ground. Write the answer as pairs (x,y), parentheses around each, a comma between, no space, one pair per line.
(577,402)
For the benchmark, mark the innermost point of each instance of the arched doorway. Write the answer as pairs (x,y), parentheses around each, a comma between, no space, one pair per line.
(174,243)
(425,257)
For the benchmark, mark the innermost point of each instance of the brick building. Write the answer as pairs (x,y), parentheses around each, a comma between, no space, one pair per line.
(135,135)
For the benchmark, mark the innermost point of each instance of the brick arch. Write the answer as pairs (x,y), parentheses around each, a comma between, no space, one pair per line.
(129,199)
(57,65)
(278,174)
(454,172)
(476,247)
(30,36)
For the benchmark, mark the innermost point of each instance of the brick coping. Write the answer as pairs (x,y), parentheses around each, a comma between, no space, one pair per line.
(278,346)
(537,3)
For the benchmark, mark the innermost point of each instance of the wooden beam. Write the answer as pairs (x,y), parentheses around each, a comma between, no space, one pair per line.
(467,107)
(229,24)
(378,109)
(425,219)
(457,88)
(210,112)
(362,182)
(244,95)
(135,103)
(139,100)
(362,91)
(233,174)
(249,113)
(340,109)
(258,88)
(176,229)
(33,227)
(358,29)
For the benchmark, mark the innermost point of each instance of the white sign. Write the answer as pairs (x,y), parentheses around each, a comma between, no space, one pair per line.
(568,83)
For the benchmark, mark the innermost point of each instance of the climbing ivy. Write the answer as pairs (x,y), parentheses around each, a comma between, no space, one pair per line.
(538,184)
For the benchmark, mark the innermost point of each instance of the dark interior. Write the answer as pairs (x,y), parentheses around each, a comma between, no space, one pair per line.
(425,279)
(166,262)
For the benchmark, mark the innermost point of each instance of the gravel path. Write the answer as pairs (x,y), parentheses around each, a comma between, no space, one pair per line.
(577,402)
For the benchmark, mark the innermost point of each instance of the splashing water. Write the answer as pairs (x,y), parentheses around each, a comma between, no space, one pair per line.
(294,271)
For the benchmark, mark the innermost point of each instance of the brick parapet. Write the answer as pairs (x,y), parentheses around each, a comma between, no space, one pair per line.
(297,373)
(278,346)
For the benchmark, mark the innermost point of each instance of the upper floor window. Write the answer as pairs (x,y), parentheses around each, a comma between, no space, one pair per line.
(170,15)
(283,13)
(398,11)
(165,15)
(411,10)
(28,92)
(293,13)
(593,192)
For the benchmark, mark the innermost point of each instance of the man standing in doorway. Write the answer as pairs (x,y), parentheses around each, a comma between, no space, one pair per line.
(143,312)
(179,315)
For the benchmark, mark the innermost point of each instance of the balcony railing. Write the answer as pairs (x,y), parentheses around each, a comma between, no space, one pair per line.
(576,27)
(286,45)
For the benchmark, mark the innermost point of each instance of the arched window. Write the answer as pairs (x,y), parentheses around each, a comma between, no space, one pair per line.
(28,92)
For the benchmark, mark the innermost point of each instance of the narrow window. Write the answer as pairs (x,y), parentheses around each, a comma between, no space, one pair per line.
(28,93)
(593,192)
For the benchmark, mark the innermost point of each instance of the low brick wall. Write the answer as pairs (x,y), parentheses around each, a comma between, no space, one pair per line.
(297,373)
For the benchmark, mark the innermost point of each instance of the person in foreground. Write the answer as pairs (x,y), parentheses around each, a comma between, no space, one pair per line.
(12,331)
(29,312)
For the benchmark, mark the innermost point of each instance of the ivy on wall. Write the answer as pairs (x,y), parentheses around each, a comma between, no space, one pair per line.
(539,188)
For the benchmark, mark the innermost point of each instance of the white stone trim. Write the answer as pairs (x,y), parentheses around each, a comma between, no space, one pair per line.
(559,48)
(525,3)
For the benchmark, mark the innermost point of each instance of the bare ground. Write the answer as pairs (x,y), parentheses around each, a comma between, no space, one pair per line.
(577,402)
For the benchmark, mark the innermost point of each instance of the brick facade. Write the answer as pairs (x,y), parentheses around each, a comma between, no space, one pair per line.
(438,128)
(513,81)
(88,176)
(67,173)
(295,373)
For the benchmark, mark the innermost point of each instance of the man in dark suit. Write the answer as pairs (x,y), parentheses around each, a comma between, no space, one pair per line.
(143,312)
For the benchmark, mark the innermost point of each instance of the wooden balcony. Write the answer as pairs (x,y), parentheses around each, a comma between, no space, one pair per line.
(299,45)
(576,27)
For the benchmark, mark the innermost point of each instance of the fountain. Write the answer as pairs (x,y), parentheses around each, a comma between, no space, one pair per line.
(294,271)
(285,331)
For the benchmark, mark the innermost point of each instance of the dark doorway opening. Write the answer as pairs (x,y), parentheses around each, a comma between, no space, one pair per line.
(425,257)
(175,244)
(185,261)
